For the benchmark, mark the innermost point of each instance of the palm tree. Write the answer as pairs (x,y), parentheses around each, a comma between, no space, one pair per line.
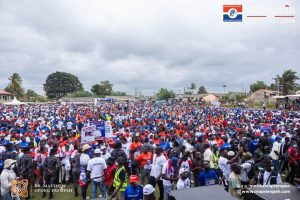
(15,85)
(288,81)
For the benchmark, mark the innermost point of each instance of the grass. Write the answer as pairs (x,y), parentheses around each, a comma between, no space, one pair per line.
(64,195)
(71,196)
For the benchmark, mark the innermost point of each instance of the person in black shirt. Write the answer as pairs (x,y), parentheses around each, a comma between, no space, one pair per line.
(265,141)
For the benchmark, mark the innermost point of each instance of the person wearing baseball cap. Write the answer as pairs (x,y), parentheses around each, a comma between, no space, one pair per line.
(95,170)
(184,181)
(149,192)
(133,191)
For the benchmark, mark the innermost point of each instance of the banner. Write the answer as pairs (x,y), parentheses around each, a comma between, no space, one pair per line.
(100,129)
(88,134)
(108,129)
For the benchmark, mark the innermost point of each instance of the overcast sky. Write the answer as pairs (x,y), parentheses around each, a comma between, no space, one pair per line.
(145,44)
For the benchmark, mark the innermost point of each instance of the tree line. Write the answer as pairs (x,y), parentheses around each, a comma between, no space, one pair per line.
(58,85)
(61,84)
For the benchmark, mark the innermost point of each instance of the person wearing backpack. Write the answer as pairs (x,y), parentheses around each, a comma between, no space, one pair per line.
(268,176)
(247,169)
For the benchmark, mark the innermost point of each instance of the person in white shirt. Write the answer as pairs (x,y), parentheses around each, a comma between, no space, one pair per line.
(156,171)
(268,176)
(224,163)
(84,159)
(7,176)
(126,147)
(96,170)
(208,155)
(184,181)
(65,156)
(169,175)
(246,167)
(104,153)
(188,146)
(275,153)
(69,125)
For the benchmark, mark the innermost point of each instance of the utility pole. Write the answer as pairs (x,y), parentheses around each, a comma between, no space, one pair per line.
(242,87)
(224,86)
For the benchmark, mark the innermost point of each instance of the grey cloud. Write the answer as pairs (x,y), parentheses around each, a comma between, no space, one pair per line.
(145,45)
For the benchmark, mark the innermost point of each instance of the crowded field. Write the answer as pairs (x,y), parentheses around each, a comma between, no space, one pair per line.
(143,150)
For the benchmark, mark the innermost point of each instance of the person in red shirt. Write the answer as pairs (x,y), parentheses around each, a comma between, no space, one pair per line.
(219,140)
(156,139)
(135,146)
(145,162)
(109,174)
(293,162)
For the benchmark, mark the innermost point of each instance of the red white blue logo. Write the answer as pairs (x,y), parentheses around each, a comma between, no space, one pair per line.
(232,13)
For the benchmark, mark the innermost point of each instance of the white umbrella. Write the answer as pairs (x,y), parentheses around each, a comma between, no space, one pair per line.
(14,102)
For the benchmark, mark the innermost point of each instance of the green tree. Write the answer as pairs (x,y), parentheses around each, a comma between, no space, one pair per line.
(104,88)
(273,87)
(202,90)
(30,95)
(59,84)
(118,93)
(257,86)
(81,93)
(240,97)
(193,86)
(288,81)
(165,94)
(15,85)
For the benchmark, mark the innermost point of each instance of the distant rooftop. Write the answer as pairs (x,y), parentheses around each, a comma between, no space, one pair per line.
(5,92)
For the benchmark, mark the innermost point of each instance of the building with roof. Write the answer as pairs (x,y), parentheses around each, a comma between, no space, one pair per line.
(126,98)
(77,100)
(5,96)
(190,97)
(262,95)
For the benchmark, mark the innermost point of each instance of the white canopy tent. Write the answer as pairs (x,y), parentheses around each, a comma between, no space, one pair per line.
(14,102)
(278,97)
(295,96)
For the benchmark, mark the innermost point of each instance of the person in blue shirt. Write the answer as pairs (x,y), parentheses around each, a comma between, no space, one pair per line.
(252,145)
(207,176)
(165,145)
(226,145)
(23,144)
(3,141)
(133,191)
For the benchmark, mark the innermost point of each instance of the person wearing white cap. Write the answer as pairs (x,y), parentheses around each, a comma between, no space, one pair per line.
(104,154)
(184,181)
(95,170)
(225,161)
(149,192)
(7,176)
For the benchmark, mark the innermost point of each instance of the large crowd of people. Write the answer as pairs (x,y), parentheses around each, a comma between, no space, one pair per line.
(155,147)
